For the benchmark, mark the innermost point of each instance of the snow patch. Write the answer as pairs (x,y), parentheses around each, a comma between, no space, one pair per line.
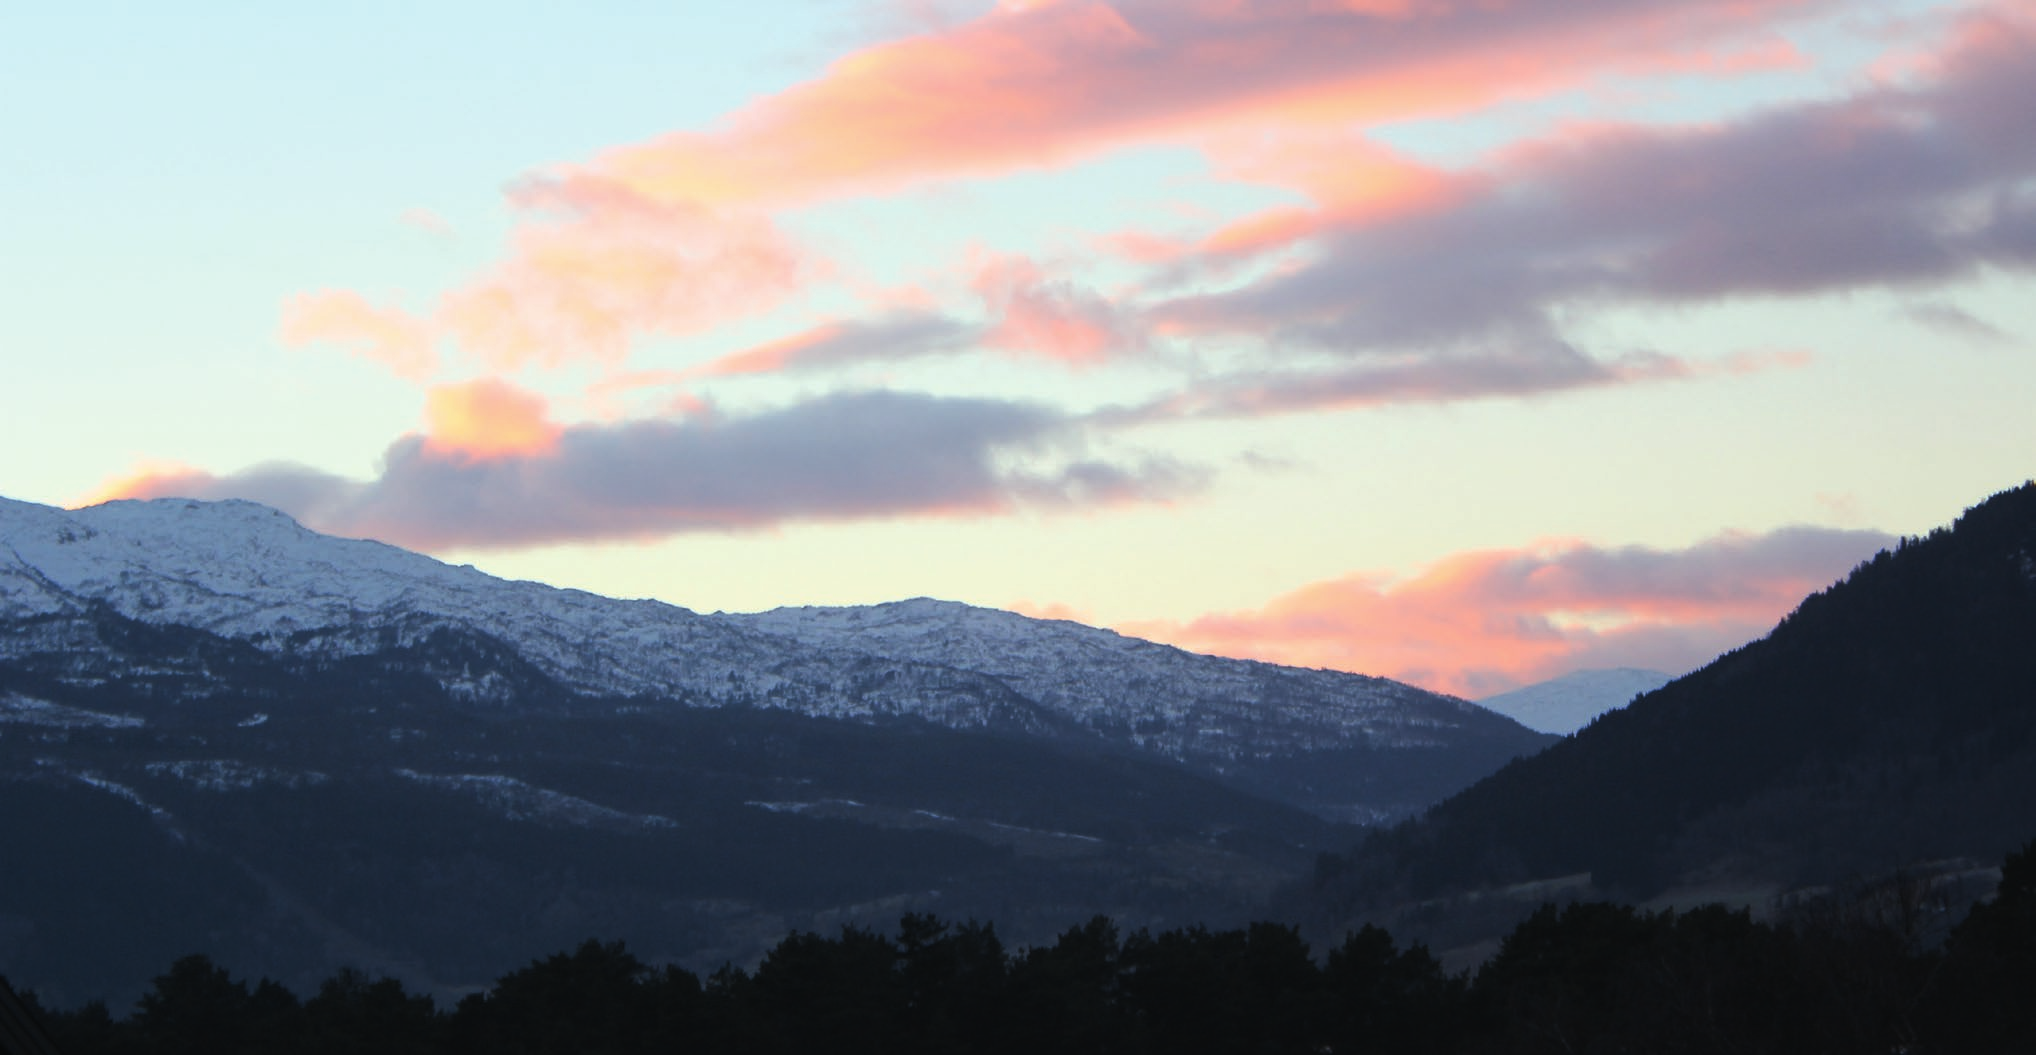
(160,815)
(27,710)
(219,774)
(250,573)
(519,801)
(1037,831)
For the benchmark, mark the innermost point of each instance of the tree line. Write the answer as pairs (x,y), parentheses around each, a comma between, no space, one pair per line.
(1586,977)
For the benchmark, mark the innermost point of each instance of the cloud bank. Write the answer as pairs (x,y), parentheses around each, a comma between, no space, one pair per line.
(498,474)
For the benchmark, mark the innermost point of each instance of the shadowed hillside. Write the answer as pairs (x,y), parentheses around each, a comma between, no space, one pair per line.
(1889,721)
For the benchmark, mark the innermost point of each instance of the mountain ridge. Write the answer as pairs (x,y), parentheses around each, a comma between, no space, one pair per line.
(322,750)
(248,572)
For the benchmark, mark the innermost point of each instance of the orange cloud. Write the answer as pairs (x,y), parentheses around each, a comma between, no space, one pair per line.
(149,478)
(1053,610)
(775,355)
(487,419)
(1483,622)
(1041,83)
(587,274)
(1352,181)
(390,336)
(660,239)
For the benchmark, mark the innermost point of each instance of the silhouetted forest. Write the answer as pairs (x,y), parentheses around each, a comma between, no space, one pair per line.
(1891,717)
(1849,976)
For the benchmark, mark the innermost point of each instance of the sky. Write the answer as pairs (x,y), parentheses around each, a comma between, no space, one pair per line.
(1465,342)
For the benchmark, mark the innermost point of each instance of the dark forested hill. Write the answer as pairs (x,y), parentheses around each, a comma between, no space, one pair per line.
(1890,720)
(165,790)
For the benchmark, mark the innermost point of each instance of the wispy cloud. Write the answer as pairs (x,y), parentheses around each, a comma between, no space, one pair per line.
(1483,622)
(1056,318)
(1532,369)
(392,337)
(1903,185)
(844,343)
(1029,84)
(429,222)
(1952,319)
(588,274)
(583,279)
(1454,272)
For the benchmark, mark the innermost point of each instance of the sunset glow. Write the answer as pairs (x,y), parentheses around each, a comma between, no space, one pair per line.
(1475,623)
(1464,343)
(487,419)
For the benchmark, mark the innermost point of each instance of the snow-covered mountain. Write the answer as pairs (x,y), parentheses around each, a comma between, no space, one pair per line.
(242,570)
(324,751)
(249,573)
(1564,704)
(1166,700)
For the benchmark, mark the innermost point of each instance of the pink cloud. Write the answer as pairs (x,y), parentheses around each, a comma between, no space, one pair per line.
(587,274)
(1053,318)
(1352,183)
(1350,179)
(660,239)
(775,356)
(903,335)
(584,277)
(1897,186)
(1040,83)
(1483,622)
(1052,610)
(392,337)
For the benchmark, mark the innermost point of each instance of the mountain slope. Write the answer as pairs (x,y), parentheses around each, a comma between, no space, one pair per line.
(1336,743)
(1890,719)
(299,752)
(1565,704)
(1344,745)
(165,790)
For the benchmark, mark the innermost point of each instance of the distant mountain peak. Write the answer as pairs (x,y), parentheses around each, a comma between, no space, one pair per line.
(1568,702)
